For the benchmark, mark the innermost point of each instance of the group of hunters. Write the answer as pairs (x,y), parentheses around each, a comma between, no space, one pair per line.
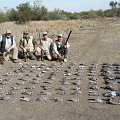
(57,50)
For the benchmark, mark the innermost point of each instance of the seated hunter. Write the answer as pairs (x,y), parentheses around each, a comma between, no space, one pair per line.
(8,46)
(28,44)
(62,48)
(47,45)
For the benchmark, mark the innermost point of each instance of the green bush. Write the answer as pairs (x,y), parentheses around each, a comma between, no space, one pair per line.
(110,13)
(25,13)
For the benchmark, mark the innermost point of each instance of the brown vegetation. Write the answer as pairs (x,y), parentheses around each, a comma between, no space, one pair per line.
(52,27)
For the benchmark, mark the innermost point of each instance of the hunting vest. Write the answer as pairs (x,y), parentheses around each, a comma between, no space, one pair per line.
(61,45)
(28,44)
(3,43)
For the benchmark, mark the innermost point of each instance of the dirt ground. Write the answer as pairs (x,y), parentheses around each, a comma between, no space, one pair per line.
(95,44)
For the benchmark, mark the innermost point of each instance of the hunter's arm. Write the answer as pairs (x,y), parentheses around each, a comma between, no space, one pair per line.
(21,44)
(34,44)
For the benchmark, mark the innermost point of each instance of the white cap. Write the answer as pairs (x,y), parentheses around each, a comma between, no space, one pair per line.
(60,35)
(45,33)
(8,31)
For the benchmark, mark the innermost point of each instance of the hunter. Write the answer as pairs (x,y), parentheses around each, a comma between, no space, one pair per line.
(62,47)
(8,46)
(47,45)
(28,44)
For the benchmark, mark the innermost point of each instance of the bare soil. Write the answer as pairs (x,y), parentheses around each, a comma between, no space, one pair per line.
(96,43)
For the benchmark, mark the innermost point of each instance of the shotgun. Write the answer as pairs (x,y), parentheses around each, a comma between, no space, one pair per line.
(68,37)
(62,54)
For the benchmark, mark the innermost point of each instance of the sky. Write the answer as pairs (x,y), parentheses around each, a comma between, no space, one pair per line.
(67,5)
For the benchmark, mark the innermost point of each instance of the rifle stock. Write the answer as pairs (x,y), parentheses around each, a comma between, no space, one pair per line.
(25,56)
(1,61)
(42,52)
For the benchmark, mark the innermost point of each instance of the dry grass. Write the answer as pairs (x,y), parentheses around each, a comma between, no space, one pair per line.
(52,27)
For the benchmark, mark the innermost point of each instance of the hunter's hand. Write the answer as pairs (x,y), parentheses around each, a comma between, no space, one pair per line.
(8,50)
(65,46)
(34,50)
(59,56)
(25,50)
(41,47)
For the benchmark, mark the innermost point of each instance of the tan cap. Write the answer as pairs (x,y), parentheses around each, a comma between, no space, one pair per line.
(8,31)
(60,35)
(45,33)
(25,32)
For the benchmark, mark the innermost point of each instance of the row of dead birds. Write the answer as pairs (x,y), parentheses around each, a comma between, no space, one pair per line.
(40,72)
(110,74)
(93,85)
(46,92)
(64,86)
(110,84)
(26,70)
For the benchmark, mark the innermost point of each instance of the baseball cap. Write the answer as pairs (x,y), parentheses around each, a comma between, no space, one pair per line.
(8,31)
(45,33)
(60,35)
(25,32)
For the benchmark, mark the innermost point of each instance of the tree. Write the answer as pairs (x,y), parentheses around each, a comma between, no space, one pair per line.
(112,4)
(110,13)
(12,15)
(44,13)
(115,4)
(37,3)
(118,5)
(55,14)
(100,13)
(40,12)
(2,17)
(24,12)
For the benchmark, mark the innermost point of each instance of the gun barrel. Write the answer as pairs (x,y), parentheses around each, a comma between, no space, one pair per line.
(68,36)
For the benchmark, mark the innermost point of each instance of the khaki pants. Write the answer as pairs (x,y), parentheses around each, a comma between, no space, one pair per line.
(14,53)
(47,53)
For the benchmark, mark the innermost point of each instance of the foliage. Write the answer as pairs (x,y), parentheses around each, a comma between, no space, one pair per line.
(110,13)
(25,13)
(2,17)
